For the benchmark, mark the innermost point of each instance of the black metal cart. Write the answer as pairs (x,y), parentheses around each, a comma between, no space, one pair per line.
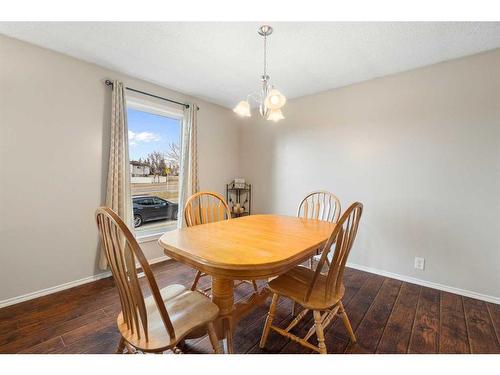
(239,198)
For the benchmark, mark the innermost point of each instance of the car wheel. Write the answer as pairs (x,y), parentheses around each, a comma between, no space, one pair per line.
(137,221)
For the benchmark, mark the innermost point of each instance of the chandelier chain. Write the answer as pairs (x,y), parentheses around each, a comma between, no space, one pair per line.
(265,55)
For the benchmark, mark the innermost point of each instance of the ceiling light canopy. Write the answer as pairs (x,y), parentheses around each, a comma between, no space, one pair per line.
(270,99)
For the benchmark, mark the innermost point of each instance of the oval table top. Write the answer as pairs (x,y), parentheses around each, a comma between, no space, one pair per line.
(249,247)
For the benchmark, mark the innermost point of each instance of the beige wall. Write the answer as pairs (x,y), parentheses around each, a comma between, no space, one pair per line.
(54,135)
(420,149)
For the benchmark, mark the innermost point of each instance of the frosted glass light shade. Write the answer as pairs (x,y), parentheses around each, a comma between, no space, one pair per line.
(243,109)
(275,115)
(274,99)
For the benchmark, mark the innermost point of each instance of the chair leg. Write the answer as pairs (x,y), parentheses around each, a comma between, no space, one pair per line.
(196,279)
(121,346)
(228,341)
(213,338)
(311,263)
(255,288)
(269,320)
(347,324)
(319,331)
(294,307)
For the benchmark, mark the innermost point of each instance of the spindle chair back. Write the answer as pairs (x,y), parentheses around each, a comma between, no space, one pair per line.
(145,323)
(205,207)
(320,205)
(316,291)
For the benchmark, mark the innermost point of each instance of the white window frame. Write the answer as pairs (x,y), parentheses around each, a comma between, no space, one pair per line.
(153,106)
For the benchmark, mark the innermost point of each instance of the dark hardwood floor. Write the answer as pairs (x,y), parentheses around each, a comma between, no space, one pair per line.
(388,316)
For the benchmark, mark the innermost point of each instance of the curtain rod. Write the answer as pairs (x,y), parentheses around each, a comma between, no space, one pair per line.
(110,83)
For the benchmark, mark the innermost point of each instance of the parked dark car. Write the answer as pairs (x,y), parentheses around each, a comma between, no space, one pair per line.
(149,208)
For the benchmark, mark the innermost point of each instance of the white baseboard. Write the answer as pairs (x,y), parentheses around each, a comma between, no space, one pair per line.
(429,284)
(68,285)
(53,289)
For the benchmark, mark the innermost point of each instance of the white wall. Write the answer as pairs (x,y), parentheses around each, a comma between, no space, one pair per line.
(420,149)
(54,121)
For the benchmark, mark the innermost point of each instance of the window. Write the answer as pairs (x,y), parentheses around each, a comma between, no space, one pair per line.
(154,152)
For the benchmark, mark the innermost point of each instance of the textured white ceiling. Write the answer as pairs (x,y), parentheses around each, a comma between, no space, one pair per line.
(222,62)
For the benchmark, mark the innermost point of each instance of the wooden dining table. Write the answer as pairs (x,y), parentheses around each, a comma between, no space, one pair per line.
(247,248)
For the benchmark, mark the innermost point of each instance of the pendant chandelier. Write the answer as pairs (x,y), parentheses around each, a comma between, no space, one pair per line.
(270,99)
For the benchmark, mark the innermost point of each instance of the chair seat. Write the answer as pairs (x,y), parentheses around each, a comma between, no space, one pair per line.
(187,310)
(295,283)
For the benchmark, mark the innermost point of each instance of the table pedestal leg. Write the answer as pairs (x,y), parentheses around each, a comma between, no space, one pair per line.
(223,296)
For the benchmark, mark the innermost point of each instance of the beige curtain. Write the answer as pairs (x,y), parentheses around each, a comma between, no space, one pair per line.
(189,160)
(118,186)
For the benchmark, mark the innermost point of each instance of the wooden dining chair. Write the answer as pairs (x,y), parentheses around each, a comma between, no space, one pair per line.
(319,205)
(207,207)
(159,322)
(321,293)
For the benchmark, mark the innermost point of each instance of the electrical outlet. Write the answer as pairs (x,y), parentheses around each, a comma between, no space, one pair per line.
(419,263)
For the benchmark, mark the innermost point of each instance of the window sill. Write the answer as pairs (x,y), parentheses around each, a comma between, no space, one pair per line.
(152,237)
(148,238)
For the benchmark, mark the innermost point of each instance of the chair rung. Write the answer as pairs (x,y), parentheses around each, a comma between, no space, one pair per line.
(311,332)
(297,319)
(239,282)
(325,321)
(295,338)
(329,318)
